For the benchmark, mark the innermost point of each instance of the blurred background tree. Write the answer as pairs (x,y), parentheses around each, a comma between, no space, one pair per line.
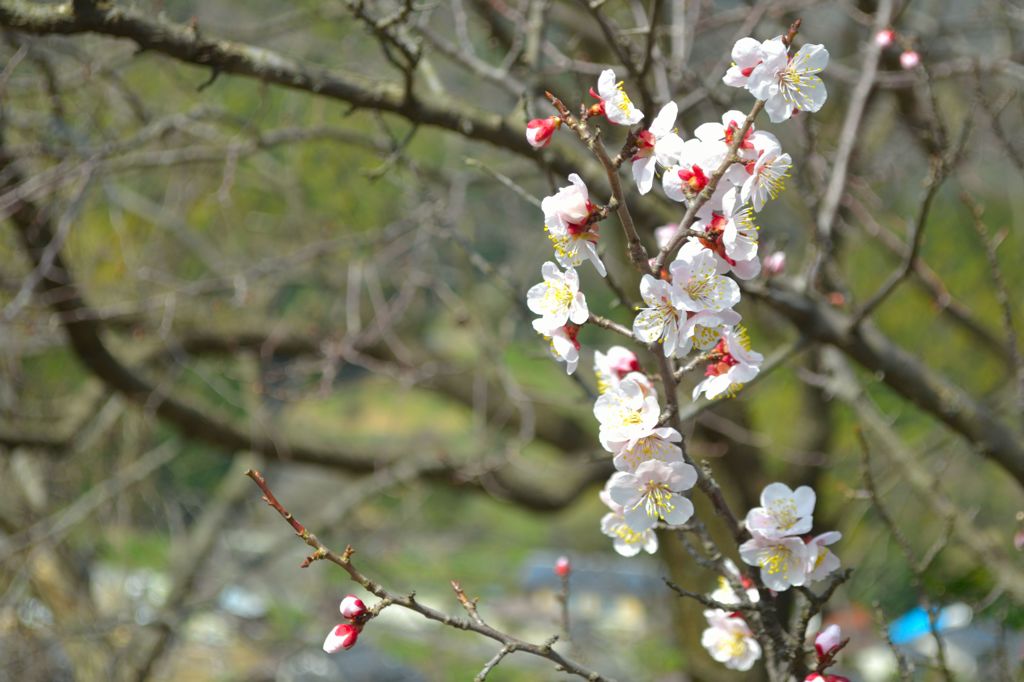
(307,248)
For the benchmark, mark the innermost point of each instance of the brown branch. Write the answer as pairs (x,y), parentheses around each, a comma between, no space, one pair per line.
(936,175)
(185,44)
(903,373)
(473,624)
(848,137)
(592,139)
(708,601)
(925,277)
(1002,294)
(610,325)
(844,385)
(550,424)
(84,331)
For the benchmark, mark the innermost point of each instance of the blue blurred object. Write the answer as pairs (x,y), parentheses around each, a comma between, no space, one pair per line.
(914,623)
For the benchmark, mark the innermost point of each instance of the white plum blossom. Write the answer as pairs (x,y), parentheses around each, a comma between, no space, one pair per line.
(821,562)
(698,286)
(615,103)
(732,364)
(613,366)
(651,493)
(783,512)
(725,594)
(724,134)
(669,149)
(731,233)
(569,204)
(659,321)
(739,231)
(783,561)
(729,640)
(659,445)
(785,83)
(564,346)
(626,414)
(567,221)
(644,160)
(558,298)
(625,540)
(691,171)
(767,176)
(746,55)
(704,329)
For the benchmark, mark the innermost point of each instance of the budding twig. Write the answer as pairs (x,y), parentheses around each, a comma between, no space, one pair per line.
(474,624)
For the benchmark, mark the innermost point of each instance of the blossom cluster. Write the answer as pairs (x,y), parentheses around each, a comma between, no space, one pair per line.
(650,476)
(725,174)
(780,544)
(785,83)
(781,547)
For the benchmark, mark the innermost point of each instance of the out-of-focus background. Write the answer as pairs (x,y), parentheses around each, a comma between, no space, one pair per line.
(328,286)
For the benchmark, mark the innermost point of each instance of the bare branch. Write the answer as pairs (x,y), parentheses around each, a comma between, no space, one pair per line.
(474,624)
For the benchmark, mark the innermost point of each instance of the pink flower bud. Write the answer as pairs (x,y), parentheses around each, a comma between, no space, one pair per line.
(1018,540)
(563,567)
(818,677)
(663,235)
(828,640)
(352,607)
(540,130)
(774,264)
(885,37)
(341,636)
(910,59)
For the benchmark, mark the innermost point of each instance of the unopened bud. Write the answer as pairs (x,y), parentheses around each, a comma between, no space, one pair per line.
(774,264)
(663,235)
(540,130)
(828,640)
(885,37)
(352,607)
(341,636)
(819,677)
(563,567)
(910,59)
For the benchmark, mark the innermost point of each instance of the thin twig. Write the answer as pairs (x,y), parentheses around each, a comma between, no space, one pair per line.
(848,137)
(474,623)
(1002,293)
(908,553)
